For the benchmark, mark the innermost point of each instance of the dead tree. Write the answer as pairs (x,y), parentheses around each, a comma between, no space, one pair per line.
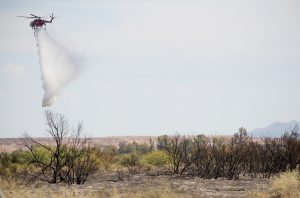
(291,143)
(56,162)
(203,156)
(179,150)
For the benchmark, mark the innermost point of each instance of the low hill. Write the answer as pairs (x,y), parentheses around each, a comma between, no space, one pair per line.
(274,130)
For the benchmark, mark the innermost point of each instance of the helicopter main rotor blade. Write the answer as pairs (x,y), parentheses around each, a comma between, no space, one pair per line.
(35,16)
(27,17)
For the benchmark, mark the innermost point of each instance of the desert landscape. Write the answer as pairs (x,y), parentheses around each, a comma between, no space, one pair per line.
(68,164)
(150,99)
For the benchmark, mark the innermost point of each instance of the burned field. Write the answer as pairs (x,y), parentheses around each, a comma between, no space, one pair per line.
(143,185)
(188,166)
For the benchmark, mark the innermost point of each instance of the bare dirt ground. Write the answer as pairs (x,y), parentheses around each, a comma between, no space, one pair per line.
(188,186)
(143,185)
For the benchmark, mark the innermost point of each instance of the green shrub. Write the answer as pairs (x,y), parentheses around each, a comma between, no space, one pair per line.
(126,148)
(156,158)
(132,162)
(12,163)
(107,156)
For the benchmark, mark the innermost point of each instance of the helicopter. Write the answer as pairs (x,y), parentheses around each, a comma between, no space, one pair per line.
(38,22)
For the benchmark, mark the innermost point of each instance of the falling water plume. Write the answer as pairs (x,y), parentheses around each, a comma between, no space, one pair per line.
(58,67)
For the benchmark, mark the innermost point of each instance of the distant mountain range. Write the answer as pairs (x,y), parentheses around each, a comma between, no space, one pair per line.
(274,130)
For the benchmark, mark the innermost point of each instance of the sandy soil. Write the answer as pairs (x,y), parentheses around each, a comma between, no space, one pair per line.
(143,185)
(194,187)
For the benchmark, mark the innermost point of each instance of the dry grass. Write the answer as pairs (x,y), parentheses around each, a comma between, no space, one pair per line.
(259,195)
(15,189)
(160,193)
(287,185)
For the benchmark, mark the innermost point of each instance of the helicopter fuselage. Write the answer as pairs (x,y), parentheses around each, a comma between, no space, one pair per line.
(38,23)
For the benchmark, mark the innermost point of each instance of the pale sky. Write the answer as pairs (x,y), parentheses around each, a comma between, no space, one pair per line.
(156,67)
